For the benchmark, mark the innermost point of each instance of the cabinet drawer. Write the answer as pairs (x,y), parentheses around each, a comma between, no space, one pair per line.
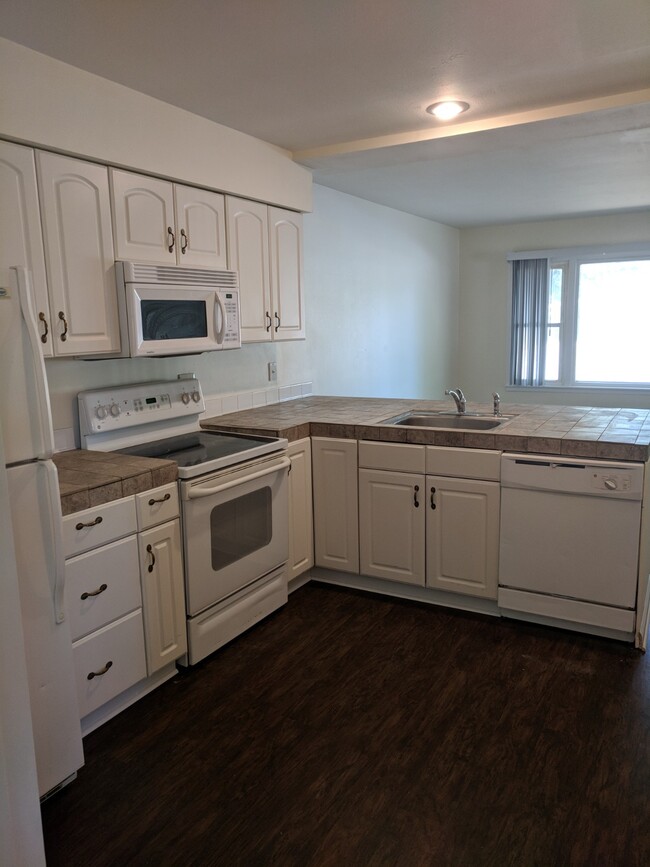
(97,526)
(109,578)
(391,456)
(464,463)
(157,506)
(122,645)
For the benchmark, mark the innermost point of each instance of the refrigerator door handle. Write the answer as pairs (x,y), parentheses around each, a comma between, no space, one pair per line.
(56,523)
(43,410)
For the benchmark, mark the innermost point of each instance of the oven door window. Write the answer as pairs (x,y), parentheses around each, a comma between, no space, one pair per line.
(241,526)
(173,320)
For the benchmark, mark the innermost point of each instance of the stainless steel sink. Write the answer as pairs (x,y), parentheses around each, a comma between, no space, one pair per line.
(453,420)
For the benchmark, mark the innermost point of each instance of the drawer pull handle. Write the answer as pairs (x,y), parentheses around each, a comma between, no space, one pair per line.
(101,670)
(171,239)
(94,592)
(41,318)
(433,491)
(160,499)
(270,321)
(153,558)
(277,321)
(81,525)
(185,242)
(416,502)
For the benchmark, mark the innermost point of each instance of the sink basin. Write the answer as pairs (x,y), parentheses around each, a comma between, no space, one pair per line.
(447,420)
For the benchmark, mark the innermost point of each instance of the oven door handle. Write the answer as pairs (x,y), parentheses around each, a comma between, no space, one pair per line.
(197,493)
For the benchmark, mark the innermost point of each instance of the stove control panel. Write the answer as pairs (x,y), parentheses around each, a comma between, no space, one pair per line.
(112,409)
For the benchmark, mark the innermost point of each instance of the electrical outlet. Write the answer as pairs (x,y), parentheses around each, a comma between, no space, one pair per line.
(273,371)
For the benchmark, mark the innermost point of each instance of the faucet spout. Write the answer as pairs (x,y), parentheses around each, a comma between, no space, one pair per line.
(459,399)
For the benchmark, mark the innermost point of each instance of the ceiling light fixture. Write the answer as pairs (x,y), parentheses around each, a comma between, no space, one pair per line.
(447,109)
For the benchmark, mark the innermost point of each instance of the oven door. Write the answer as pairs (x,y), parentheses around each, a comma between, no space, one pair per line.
(235,529)
(173,320)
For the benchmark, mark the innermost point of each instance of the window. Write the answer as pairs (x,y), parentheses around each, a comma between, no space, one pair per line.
(581,318)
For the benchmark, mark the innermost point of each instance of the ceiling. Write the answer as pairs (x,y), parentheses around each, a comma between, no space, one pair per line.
(559,92)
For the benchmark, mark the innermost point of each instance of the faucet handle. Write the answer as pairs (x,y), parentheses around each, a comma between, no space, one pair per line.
(496,403)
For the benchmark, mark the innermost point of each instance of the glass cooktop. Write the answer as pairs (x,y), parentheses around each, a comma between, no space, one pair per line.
(203,451)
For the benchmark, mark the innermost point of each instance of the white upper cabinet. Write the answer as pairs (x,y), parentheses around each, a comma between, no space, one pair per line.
(21,242)
(265,248)
(171,224)
(248,254)
(76,217)
(201,227)
(285,234)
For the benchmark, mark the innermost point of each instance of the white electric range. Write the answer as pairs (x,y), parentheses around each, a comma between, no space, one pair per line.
(234,501)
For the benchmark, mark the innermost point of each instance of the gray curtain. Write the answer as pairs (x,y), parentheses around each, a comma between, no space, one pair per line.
(529,311)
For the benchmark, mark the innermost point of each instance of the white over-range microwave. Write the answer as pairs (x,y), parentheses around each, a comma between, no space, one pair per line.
(166,310)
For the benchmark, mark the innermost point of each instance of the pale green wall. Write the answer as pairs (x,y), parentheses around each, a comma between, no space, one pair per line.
(381,313)
(484,314)
(382,305)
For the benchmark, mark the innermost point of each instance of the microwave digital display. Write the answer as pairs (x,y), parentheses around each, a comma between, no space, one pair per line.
(173,320)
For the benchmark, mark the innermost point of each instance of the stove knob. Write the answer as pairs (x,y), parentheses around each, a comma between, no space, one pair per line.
(100,412)
(185,398)
(196,397)
(115,410)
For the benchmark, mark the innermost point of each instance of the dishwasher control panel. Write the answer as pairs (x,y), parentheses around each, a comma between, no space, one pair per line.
(610,481)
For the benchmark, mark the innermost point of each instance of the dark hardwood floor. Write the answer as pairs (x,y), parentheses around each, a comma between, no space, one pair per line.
(350,729)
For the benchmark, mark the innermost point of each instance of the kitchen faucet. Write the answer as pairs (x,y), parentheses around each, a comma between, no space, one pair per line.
(459,399)
(496,403)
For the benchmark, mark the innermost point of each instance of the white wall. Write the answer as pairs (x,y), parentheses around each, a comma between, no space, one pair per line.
(382,311)
(484,313)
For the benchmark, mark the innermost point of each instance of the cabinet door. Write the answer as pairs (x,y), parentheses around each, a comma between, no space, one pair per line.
(392,510)
(201,228)
(143,215)
(336,504)
(285,228)
(462,535)
(163,594)
(301,525)
(79,255)
(248,254)
(21,242)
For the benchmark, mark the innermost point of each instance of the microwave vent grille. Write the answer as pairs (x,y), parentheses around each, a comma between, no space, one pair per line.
(167,275)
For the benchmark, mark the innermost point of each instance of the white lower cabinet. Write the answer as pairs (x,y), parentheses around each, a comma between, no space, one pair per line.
(462,541)
(301,522)
(336,504)
(124,593)
(391,525)
(161,572)
(429,530)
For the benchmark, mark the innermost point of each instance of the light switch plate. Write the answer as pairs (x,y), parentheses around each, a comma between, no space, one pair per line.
(273,371)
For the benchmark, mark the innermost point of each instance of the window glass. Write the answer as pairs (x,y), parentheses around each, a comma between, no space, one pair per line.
(554,318)
(612,343)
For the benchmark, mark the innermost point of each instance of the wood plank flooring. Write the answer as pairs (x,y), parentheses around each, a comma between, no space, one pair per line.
(349,729)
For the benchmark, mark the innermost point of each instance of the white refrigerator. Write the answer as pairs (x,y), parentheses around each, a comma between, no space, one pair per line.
(35,510)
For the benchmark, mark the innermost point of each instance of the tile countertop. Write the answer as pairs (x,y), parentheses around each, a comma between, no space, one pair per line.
(576,431)
(89,478)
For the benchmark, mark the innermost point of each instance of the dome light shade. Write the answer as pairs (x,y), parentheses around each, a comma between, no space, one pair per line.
(447,109)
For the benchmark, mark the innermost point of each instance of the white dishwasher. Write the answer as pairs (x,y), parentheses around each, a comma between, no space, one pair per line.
(570,542)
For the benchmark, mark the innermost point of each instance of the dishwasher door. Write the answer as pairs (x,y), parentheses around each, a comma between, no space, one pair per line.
(569,530)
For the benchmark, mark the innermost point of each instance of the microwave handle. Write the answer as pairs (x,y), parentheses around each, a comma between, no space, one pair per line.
(219,313)
(197,493)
